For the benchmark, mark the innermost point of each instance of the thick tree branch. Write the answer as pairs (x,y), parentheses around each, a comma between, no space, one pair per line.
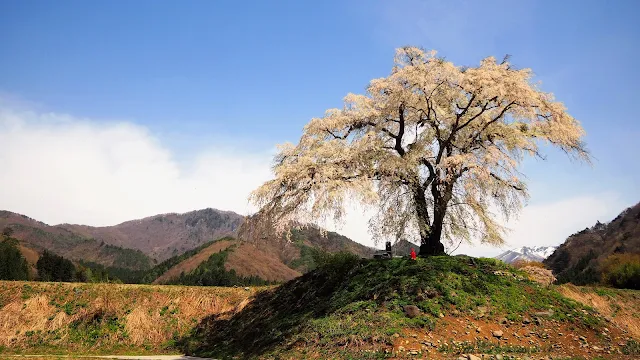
(504,182)
(484,108)
(398,146)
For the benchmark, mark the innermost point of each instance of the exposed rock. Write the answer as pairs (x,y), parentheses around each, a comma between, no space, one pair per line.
(497,333)
(430,293)
(547,313)
(411,311)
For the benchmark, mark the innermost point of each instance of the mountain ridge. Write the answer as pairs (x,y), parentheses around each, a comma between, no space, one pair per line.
(165,235)
(140,243)
(40,236)
(526,253)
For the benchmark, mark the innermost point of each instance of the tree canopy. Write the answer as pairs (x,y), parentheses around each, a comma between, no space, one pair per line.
(13,266)
(434,147)
(52,267)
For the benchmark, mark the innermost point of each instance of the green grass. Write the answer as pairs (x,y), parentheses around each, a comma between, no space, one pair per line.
(632,347)
(357,305)
(485,347)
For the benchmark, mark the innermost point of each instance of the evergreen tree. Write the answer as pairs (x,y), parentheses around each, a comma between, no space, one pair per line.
(52,267)
(13,265)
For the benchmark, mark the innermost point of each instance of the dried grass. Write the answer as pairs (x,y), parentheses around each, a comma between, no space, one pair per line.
(142,327)
(19,317)
(241,306)
(621,310)
(150,315)
(540,275)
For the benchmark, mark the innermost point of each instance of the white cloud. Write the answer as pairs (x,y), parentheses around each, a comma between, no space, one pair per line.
(57,168)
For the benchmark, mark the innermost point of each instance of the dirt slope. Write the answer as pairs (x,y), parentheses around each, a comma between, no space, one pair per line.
(247,259)
(32,257)
(250,260)
(191,263)
(620,307)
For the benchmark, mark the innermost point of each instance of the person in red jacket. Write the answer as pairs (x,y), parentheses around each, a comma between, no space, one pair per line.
(413,254)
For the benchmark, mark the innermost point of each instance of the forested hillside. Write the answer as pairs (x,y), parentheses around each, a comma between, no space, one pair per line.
(608,252)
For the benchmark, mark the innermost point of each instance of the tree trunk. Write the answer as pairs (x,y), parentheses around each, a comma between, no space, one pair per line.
(432,244)
(429,235)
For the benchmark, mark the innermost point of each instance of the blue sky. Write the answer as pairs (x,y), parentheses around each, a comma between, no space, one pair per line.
(229,77)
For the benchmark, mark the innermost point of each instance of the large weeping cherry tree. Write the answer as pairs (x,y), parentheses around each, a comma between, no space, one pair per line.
(433,147)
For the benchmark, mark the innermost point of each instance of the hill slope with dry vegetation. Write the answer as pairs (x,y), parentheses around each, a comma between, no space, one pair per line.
(74,318)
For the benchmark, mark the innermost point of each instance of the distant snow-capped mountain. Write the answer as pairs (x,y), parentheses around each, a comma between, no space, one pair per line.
(526,253)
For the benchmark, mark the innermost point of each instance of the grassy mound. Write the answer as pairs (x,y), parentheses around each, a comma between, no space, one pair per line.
(353,308)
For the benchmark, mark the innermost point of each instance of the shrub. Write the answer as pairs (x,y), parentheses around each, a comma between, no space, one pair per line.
(622,271)
(335,261)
